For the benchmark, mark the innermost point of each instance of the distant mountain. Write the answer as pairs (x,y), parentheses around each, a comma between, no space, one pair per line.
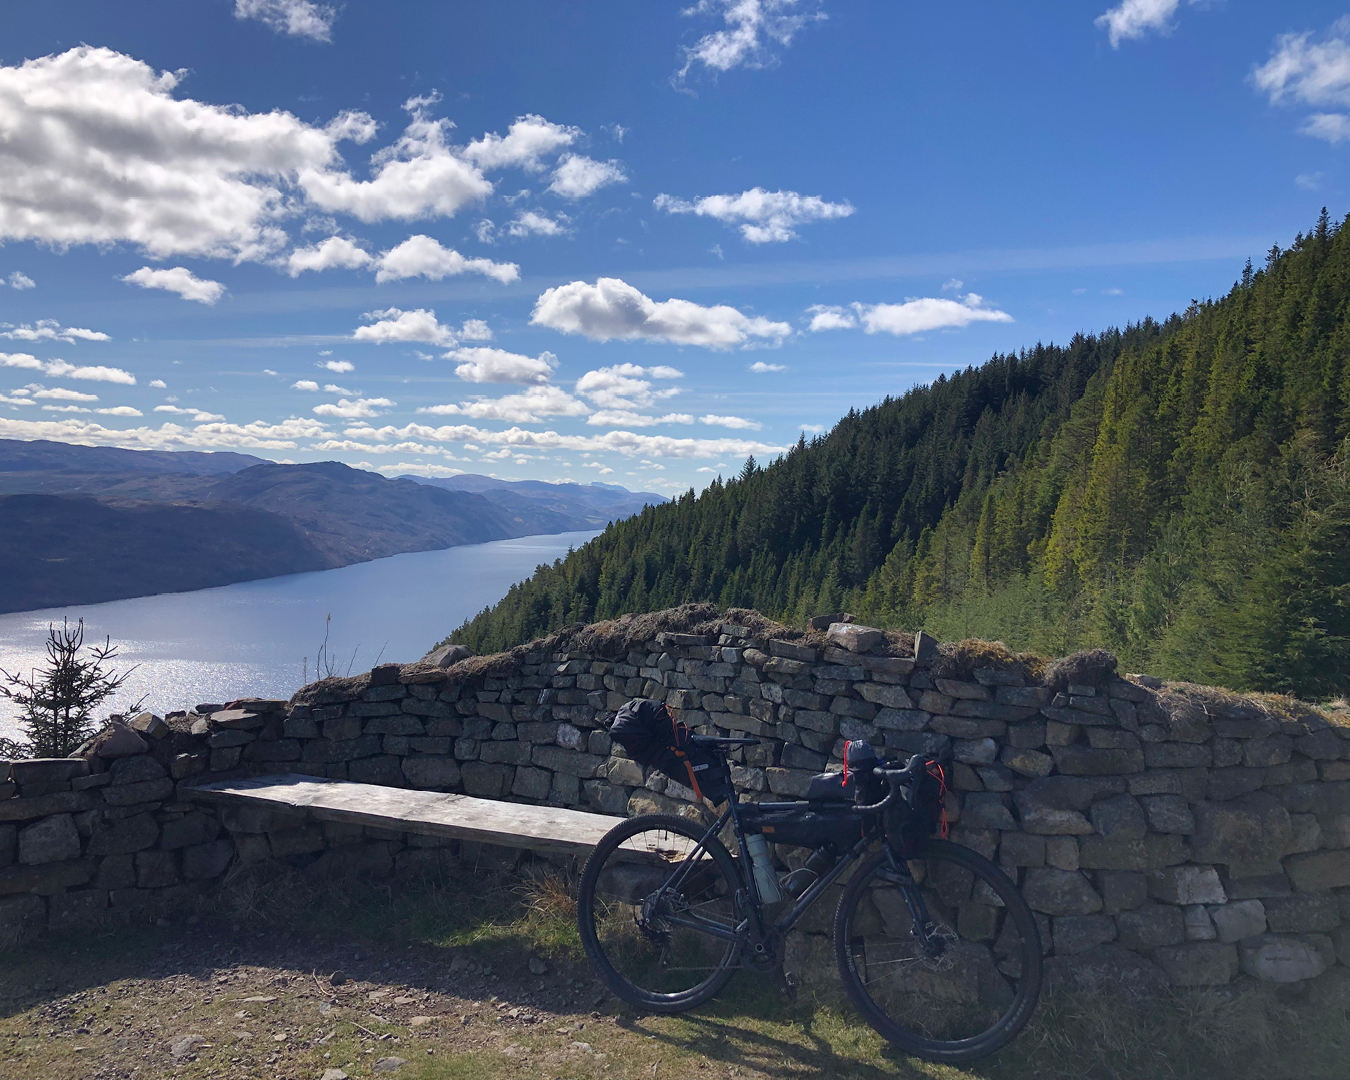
(86,524)
(586,506)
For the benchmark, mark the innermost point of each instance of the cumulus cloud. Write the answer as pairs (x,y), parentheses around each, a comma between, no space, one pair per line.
(530,139)
(60,369)
(577,176)
(359,409)
(527,407)
(200,416)
(50,330)
(258,435)
(60,393)
(626,418)
(759,367)
(297,18)
(340,367)
(475,330)
(180,280)
(914,316)
(120,410)
(422,256)
(627,386)
(159,384)
(484,365)
(16,400)
(752,29)
(99,150)
(64,408)
(306,384)
(335,253)
(630,444)
(530,223)
(1132,19)
(394,325)
(1311,71)
(763,216)
(19,280)
(611,308)
(333,388)
(738,422)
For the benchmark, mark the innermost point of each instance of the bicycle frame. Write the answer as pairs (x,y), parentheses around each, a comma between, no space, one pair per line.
(757,934)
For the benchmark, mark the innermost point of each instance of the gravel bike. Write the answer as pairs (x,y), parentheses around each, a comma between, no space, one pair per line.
(934,944)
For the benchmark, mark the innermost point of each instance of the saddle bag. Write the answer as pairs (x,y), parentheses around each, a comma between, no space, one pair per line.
(651,736)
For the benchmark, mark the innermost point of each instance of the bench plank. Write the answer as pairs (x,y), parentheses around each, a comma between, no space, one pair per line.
(539,828)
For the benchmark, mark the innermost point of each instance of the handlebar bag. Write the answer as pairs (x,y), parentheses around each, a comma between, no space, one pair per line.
(923,811)
(855,783)
(652,737)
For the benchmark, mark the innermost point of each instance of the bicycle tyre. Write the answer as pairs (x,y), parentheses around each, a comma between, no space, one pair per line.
(607,940)
(917,986)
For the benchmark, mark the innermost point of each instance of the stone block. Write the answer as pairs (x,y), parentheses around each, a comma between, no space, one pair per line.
(986,810)
(572,763)
(975,751)
(156,869)
(1078,760)
(1021,849)
(120,741)
(300,840)
(1239,919)
(53,839)
(1026,762)
(1281,959)
(184,765)
(1250,828)
(32,772)
(1078,933)
(202,862)
(1318,870)
(605,797)
(892,697)
(1119,817)
(1198,963)
(238,719)
(1199,924)
(535,784)
(133,770)
(1059,892)
(1272,750)
(1122,890)
(193,828)
(60,802)
(959,727)
(969,691)
(1226,784)
(1107,970)
(1151,926)
(1099,853)
(124,836)
(221,740)
(47,878)
(486,780)
(1168,814)
(995,777)
(402,724)
(1061,852)
(1177,755)
(1303,913)
(1187,885)
(143,791)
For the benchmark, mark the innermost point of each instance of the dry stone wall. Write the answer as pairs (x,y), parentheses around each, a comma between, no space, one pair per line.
(1164,834)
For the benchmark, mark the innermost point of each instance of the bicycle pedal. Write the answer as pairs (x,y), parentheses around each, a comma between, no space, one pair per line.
(786,986)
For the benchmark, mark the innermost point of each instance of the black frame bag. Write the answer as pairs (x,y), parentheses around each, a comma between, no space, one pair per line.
(652,737)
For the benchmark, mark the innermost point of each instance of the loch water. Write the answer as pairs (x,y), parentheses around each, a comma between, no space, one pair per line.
(262,638)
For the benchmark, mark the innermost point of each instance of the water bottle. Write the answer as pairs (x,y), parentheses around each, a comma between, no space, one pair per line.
(820,863)
(766,880)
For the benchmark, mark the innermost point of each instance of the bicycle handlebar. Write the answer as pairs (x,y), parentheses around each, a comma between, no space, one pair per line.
(895,778)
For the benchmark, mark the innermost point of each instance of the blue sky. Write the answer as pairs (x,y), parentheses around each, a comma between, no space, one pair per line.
(629,242)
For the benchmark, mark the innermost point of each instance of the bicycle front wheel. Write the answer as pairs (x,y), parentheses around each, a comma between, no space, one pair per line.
(657,913)
(975,985)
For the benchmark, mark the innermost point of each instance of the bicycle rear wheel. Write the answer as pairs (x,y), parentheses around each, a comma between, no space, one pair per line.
(970,994)
(660,927)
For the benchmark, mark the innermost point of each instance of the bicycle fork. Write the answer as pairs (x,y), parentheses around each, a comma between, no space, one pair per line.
(923,928)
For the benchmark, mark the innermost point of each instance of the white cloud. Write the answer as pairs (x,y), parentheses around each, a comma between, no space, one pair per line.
(200,416)
(627,418)
(485,365)
(98,150)
(120,410)
(258,435)
(339,367)
(333,388)
(528,140)
(1331,127)
(394,324)
(475,330)
(914,316)
(764,216)
(353,410)
(529,223)
(180,280)
(611,308)
(418,468)
(159,384)
(620,442)
(952,285)
(19,280)
(60,393)
(626,386)
(16,400)
(752,28)
(1313,72)
(298,18)
(335,253)
(759,367)
(306,384)
(814,429)
(577,176)
(738,422)
(523,408)
(425,257)
(62,370)
(64,408)
(50,330)
(1132,19)
(485,230)
(830,317)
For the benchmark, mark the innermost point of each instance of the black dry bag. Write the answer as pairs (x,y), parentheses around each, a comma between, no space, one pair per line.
(652,737)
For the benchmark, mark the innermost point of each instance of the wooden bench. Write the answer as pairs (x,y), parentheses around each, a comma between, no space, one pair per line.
(539,828)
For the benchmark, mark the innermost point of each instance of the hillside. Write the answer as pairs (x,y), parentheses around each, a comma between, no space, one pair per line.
(589,506)
(1178,492)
